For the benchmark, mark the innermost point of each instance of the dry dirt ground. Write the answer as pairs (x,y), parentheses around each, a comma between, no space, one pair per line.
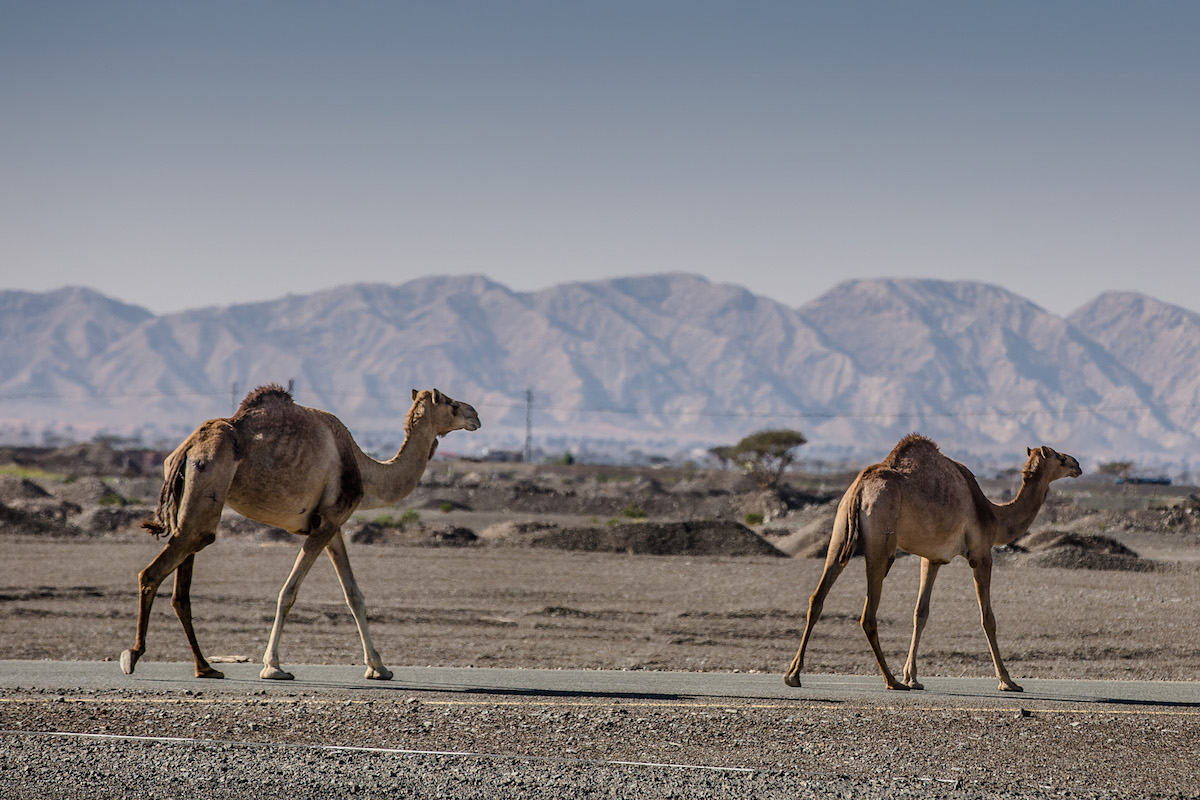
(485,577)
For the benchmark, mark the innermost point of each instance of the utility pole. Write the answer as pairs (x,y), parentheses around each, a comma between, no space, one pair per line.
(233,395)
(528,425)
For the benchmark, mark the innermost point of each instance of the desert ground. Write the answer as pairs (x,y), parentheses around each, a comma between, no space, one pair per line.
(501,565)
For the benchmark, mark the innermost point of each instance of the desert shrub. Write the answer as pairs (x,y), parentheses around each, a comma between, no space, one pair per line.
(754,518)
(393,521)
(633,512)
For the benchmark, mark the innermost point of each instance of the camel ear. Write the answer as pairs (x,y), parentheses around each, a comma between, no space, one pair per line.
(438,397)
(415,393)
(1028,452)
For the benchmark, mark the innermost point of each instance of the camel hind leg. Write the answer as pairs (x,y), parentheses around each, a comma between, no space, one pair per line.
(833,569)
(211,461)
(841,545)
(181,601)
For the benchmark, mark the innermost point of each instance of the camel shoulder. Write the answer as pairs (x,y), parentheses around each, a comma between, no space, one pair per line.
(983,507)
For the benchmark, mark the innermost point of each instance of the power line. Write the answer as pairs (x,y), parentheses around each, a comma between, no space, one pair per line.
(530,406)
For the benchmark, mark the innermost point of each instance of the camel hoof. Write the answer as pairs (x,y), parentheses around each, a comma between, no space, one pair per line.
(209,672)
(275,674)
(791,680)
(897,686)
(129,659)
(378,674)
(1010,687)
(915,685)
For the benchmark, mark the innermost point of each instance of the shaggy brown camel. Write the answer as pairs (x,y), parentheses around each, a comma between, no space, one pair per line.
(923,502)
(292,467)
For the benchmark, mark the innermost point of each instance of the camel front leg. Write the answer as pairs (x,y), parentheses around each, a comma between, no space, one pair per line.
(309,551)
(181,601)
(983,591)
(929,571)
(358,607)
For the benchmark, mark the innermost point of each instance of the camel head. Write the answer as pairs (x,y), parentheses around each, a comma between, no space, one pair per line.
(1060,465)
(446,413)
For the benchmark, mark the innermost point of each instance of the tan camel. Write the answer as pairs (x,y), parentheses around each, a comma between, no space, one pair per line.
(923,502)
(292,467)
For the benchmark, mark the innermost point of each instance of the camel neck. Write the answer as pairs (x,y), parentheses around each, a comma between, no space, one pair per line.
(1014,518)
(386,483)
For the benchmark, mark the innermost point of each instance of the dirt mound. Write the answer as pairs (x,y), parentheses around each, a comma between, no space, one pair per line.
(691,538)
(13,487)
(234,524)
(109,519)
(517,530)
(420,535)
(1068,550)
(810,535)
(1095,543)
(27,522)
(89,491)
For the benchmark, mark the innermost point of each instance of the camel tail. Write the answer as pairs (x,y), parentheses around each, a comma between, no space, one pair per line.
(165,516)
(851,505)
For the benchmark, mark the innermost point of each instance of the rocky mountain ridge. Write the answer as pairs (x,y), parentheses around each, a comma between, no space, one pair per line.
(662,362)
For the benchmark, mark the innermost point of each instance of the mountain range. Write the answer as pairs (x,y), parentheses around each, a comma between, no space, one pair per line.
(660,362)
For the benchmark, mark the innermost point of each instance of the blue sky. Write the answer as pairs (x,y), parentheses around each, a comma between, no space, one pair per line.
(180,154)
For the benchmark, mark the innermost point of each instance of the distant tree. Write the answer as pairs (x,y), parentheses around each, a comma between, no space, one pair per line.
(767,454)
(724,454)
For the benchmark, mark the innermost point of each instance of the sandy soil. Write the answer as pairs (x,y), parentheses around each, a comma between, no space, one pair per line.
(526,607)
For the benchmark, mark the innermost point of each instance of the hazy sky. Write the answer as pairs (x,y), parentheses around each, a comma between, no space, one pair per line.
(181,154)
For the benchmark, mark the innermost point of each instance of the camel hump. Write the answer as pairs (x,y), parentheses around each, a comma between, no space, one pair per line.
(910,446)
(263,396)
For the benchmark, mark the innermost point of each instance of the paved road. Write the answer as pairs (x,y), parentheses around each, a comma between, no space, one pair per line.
(469,685)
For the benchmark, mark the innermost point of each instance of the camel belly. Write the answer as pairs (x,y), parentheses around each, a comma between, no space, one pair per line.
(292,522)
(939,549)
(269,504)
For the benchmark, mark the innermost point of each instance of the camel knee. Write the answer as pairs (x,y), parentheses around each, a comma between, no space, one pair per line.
(148,588)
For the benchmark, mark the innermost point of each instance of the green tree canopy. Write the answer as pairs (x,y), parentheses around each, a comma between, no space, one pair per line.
(767,454)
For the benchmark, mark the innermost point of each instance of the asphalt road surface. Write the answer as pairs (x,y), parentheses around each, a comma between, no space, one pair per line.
(586,686)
